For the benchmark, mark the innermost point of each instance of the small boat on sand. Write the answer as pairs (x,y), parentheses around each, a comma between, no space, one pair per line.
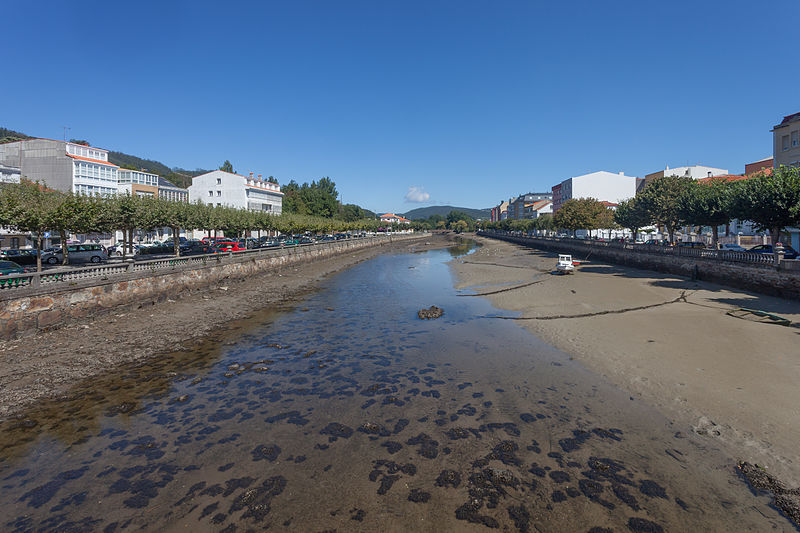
(565,264)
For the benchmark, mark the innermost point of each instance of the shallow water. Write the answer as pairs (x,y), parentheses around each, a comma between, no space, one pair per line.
(349,413)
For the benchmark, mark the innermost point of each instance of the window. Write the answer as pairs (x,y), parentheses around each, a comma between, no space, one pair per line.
(219,193)
(219,181)
(785,142)
(795,140)
(219,205)
(211,193)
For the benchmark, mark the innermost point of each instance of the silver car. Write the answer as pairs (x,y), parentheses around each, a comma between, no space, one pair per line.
(78,253)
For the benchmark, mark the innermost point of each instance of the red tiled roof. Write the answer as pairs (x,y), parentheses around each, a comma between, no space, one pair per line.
(608,204)
(92,160)
(729,177)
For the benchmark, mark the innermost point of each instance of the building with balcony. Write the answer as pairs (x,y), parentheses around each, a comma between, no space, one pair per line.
(171,192)
(786,142)
(62,166)
(516,206)
(603,186)
(220,188)
(137,183)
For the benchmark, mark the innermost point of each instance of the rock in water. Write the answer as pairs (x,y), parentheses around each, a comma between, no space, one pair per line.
(430,313)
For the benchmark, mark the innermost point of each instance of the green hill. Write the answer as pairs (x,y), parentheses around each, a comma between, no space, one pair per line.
(179,176)
(10,136)
(422,213)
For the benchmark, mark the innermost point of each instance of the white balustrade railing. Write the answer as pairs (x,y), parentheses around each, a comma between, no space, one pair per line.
(59,277)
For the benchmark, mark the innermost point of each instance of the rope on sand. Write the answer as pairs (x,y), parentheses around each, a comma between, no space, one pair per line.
(679,299)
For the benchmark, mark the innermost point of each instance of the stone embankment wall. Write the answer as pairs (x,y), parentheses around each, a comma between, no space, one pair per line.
(758,278)
(27,310)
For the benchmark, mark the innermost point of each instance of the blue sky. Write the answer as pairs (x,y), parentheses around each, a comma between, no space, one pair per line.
(461,103)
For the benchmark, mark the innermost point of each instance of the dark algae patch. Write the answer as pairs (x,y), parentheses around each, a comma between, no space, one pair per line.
(785,499)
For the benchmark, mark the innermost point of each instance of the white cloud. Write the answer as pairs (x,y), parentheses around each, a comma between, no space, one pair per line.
(417,195)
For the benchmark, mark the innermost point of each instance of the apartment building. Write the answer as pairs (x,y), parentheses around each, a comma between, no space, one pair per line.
(220,188)
(63,166)
(137,183)
(516,206)
(500,212)
(602,185)
(786,142)
(171,192)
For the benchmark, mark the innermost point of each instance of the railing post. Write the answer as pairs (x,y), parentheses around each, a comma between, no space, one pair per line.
(36,279)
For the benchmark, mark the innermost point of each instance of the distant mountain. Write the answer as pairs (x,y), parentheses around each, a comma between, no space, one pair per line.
(422,213)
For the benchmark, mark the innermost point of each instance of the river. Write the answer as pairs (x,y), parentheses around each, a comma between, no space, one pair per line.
(349,413)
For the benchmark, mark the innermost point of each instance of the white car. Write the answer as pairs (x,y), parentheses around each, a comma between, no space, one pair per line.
(93,253)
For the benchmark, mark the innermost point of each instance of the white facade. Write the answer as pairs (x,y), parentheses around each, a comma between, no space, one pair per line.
(695,172)
(137,176)
(603,186)
(92,174)
(221,188)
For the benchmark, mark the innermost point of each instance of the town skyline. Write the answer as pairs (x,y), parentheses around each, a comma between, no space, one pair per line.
(413,106)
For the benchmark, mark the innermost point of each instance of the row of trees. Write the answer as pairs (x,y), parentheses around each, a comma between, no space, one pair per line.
(31,207)
(770,200)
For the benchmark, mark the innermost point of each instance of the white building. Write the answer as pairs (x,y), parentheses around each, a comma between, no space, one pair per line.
(62,166)
(603,186)
(171,192)
(137,183)
(221,188)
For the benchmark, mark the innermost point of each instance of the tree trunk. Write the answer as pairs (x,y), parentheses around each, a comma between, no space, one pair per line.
(39,252)
(64,247)
(671,233)
(715,237)
(728,229)
(176,244)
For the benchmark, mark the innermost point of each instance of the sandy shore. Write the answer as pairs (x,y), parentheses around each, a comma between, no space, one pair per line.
(666,340)
(48,364)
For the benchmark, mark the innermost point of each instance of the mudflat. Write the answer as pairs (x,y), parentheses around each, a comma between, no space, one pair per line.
(666,340)
(46,365)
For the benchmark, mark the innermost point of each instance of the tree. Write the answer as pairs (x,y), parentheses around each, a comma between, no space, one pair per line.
(633,215)
(770,200)
(706,204)
(580,213)
(30,206)
(227,167)
(660,199)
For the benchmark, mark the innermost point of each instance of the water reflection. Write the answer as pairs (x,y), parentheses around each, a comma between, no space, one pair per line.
(349,413)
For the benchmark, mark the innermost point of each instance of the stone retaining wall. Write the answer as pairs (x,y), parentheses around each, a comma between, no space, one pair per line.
(26,311)
(758,278)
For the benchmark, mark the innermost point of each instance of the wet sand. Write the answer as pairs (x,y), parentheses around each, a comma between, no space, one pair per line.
(46,365)
(733,382)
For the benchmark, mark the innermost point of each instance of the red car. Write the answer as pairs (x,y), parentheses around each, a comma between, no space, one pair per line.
(228,246)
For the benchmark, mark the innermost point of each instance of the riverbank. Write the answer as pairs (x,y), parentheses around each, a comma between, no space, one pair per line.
(46,365)
(665,339)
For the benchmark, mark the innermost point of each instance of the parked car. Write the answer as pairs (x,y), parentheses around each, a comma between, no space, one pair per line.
(21,257)
(730,247)
(687,244)
(656,242)
(10,267)
(228,246)
(789,252)
(78,253)
(157,249)
(196,248)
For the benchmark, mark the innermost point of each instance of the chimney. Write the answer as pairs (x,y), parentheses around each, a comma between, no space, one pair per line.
(709,173)
(251,175)
(259,177)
